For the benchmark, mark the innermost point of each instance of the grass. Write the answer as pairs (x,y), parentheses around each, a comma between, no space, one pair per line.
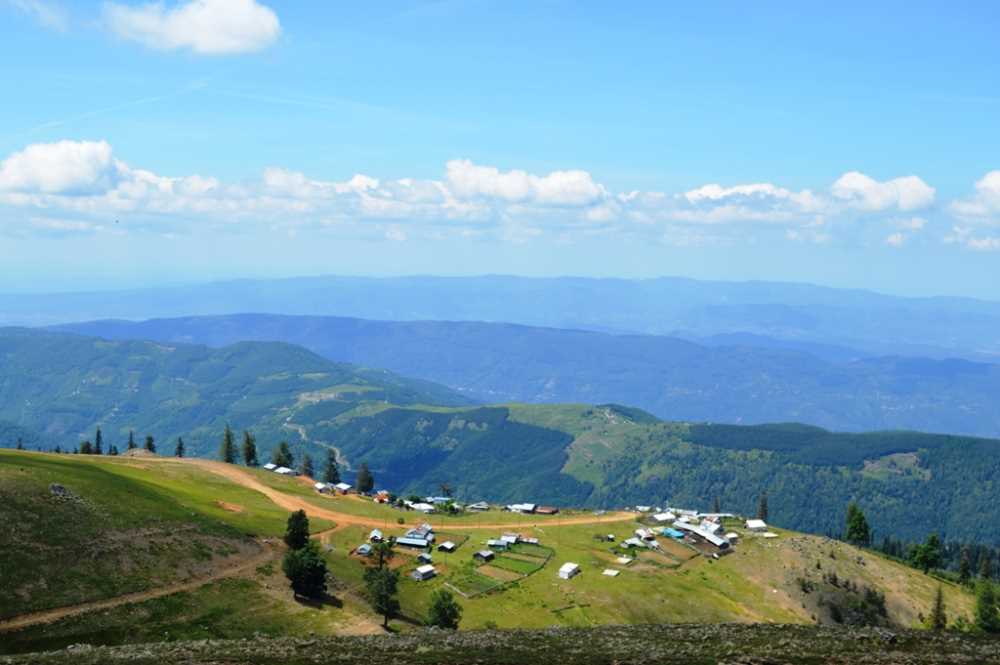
(133,525)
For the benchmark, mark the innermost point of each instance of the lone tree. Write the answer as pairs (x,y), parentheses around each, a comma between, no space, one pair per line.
(306,570)
(20,444)
(445,612)
(762,506)
(297,530)
(858,532)
(365,481)
(249,449)
(928,554)
(965,567)
(227,449)
(150,443)
(283,455)
(384,551)
(987,617)
(381,584)
(113,451)
(98,442)
(307,466)
(331,472)
(938,620)
(131,440)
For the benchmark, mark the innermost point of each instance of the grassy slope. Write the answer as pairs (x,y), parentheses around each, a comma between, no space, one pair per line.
(758,583)
(137,525)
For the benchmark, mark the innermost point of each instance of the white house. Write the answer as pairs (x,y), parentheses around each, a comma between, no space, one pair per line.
(285,471)
(425,508)
(522,507)
(322,488)
(270,466)
(759,526)
(447,546)
(423,573)
(611,572)
(375,536)
(478,506)
(568,570)
(664,517)
(643,509)
(343,488)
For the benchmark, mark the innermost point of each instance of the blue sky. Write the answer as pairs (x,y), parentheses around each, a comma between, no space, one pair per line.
(185,141)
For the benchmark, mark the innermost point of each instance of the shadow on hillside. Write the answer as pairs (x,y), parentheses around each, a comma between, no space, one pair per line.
(320,603)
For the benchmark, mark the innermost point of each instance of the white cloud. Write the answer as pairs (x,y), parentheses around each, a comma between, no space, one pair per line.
(984,206)
(866,193)
(210,27)
(66,167)
(47,14)
(85,182)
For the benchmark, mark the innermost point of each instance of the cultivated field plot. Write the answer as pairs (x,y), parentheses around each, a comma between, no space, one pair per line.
(517,563)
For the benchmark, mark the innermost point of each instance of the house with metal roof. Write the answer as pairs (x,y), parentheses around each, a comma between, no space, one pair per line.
(447,546)
(484,556)
(711,538)
(423,573)
(407,541)
(569,570)
(479,506)
(756,525)
(270,466)
(497,544)
(375,536)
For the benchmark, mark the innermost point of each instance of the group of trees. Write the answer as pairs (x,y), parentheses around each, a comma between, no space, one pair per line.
(930,555)
(97,446)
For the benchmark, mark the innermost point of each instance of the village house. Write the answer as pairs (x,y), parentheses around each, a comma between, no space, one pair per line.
(322,488)
(424,557)
(410,541)
(342,488)
(569,570)
(484,556)
(270,466)
(526,508)
(423,573)
(497,544)
(447,546)
(375,536)
(479,506)
(758,526)
(547,510)
(364,550)
(382,496)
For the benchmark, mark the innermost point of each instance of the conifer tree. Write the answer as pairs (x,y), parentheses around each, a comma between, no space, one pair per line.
(858,532)
(762,512)
(113,451)
(445,612)
(297,530)
(282,456)
(331,473)
(227,450)
(150,443)
(86,448)
(306,570)
(965,567)
(365,480)
(57,450)
(382,584)
(307,466)
(249,449)
(717,505)
(179,448)
(20,444)
(938,620)
(987,617)
(131,440)
(985,569)
(98,442)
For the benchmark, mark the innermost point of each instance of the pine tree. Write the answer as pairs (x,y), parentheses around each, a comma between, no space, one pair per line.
(717,506)
(965,567)
(249,449)
(283,455)
(307,467)
(762,507)
(179,448)
(987,618)
(985,569)
(938,620)
(57,450)
(384,552)
(445,612)
(20,444)
(227,450)
(150,443)
(331,473)
(365,481)
(131,440)
(113,451)
(297,530)
(98,442)
(858,532)
(928,554)
(86,448)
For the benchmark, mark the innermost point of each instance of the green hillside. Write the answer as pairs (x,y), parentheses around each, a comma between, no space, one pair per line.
(63,386)
(142,524)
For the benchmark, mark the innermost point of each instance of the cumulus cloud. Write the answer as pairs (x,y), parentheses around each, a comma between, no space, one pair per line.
(209,27)
(866,193)
(84,181)
(984,205)
(66,167)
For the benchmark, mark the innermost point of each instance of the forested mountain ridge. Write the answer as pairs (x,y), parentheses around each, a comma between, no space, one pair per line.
(62,386)
(732,380)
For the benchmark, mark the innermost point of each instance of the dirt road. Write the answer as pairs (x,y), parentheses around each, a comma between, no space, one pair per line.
(291,502)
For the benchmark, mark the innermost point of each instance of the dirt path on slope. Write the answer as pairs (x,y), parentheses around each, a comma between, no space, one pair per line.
(290,502)
(268,554)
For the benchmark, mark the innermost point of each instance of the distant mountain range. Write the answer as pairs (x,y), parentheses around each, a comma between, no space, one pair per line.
(736,378)
(416,435)
(869,322)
